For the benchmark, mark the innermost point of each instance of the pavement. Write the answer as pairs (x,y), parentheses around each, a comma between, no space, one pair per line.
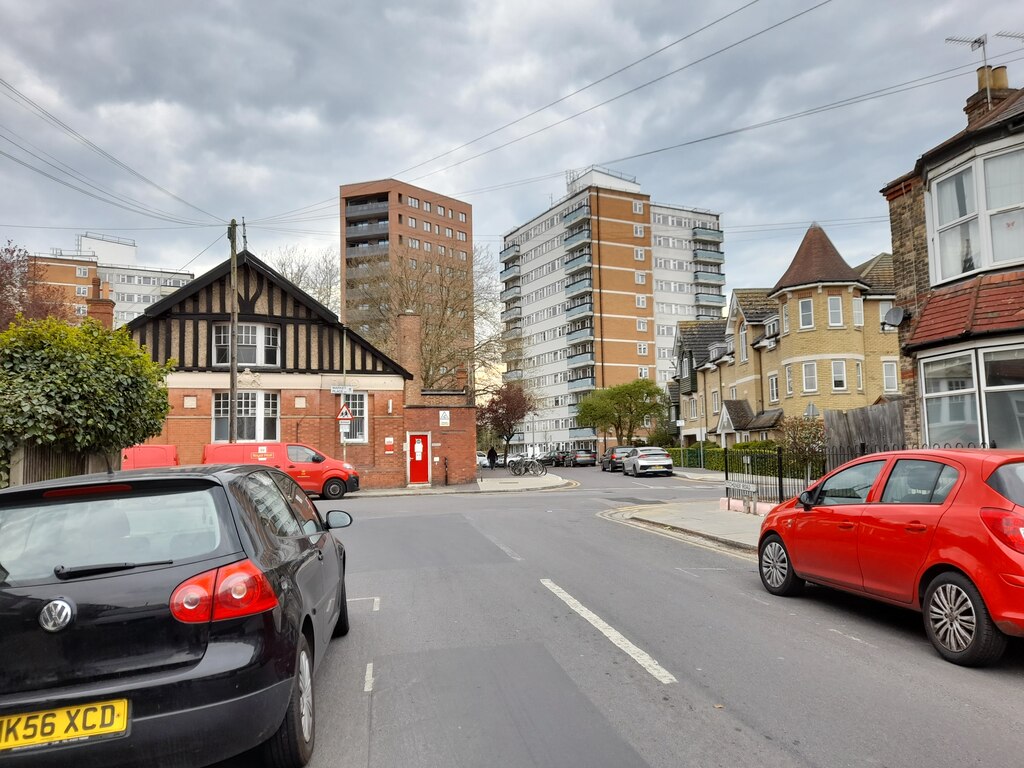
(703,519)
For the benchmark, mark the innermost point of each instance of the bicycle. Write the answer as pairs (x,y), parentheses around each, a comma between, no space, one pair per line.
(522,465)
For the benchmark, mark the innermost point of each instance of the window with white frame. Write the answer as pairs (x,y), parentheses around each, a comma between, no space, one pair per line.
(462,217)
(835,311)
(81,290)
(806,313)
(890,376)
(838,375)
(426,206)
(773,388)
(356,403)
(641,324)
(789,379)
(860,375)
(258,345)
(643,372)
(638,206)
(715,404)
(1003,381)
(858,312)
(785,317)
(256,418)
(743,343)
(810,377)
(977,215)
(638,254)
(413,202)
(440,210)
(81,310)
(883,310)
(693,407)
(638,230)
(950,400)
(640,278)
(426,226)
(641,302)
(641,349)
(732,393)
(412,222)
(81,271)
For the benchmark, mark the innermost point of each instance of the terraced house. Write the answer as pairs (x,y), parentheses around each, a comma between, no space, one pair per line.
(812,342)
(958,252)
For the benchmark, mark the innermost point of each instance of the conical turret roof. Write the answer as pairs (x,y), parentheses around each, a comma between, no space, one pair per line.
(817,261)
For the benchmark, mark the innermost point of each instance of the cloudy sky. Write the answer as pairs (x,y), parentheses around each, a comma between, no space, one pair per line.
(196,112)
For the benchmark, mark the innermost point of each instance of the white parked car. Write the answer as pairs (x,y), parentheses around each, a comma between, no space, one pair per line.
(642,461)
(481,459)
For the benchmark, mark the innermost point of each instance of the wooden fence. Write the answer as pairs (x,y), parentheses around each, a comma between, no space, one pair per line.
(32,463)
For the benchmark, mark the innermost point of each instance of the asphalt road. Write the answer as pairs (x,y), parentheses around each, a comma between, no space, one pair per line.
(523,629)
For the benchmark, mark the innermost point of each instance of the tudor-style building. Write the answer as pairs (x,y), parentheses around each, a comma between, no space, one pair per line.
(297,365)
(812,342)
(957,224)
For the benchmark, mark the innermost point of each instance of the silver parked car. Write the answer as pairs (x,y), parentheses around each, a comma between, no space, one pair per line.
(642,461)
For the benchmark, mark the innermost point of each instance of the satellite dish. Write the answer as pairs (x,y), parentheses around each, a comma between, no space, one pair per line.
(895,316)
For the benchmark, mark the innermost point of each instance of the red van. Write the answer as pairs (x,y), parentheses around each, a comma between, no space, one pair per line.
(312,470)
(147,456)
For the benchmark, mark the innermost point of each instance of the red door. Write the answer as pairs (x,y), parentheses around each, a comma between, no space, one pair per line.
(419,458)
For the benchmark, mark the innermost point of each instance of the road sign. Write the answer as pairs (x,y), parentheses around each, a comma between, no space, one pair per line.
(341,389)
(345,414)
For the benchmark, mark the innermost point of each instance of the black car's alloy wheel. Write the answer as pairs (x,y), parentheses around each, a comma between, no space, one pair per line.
(777,574)
(292,745)
(958,623)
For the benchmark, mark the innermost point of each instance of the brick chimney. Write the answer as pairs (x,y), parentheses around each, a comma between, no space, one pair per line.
(410,332)
(993,86)
(100,309)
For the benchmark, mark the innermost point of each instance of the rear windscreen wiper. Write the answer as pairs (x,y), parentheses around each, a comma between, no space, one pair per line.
(78,571)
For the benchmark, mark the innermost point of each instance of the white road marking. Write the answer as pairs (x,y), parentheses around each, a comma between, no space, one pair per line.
(368,680)
(757,599)
(855,639)
(503,548)
(640,657)
(376,601)
(688,573)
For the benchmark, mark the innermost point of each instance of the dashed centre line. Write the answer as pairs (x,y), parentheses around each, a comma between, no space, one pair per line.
(642,658)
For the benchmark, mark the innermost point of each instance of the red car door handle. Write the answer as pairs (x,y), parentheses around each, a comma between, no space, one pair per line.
(846,525)
(917,528)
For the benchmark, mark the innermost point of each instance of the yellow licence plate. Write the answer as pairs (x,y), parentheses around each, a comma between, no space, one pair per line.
(52,726)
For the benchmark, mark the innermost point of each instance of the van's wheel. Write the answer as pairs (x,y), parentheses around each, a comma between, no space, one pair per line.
(292,745)
(334,488)
(958,623)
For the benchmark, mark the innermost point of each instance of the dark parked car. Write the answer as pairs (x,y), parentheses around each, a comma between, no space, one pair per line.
(937,531)
(612,459)
(159,617)
(581,458)
(553,458)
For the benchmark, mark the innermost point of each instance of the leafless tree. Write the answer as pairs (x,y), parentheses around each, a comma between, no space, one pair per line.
(24,290)
(316,272)
(458,307)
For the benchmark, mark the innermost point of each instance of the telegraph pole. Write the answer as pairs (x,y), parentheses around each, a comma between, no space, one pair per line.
(233,333)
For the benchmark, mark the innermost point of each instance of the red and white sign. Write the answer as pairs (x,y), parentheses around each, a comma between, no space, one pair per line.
(345,414)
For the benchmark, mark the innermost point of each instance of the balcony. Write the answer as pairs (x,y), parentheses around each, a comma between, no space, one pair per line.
(711,278)
(513,375)
(365,210)
(577,433)
(575,385)
(577,262)
(706,235)
(712,299)
(579,287)
(584,358)
(508,274)
(509,252)
(582,334)
(364,231)
(511,293)
(515,313)
(572,410)
(363,251)
(514,331)
(576,239)
(708,256)
(580,310)
(576,214)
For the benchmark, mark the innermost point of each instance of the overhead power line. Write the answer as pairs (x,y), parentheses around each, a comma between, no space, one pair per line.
(626,93)
(27,103)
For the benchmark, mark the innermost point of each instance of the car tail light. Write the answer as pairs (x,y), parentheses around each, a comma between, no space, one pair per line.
(239,589)
(1006,526)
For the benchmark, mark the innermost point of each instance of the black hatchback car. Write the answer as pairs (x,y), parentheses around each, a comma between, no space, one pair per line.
(165,617)
(612,459)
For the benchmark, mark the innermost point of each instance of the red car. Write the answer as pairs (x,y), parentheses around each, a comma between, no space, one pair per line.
(937,531)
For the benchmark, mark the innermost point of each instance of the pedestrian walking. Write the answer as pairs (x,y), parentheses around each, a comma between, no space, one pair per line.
(492,457)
